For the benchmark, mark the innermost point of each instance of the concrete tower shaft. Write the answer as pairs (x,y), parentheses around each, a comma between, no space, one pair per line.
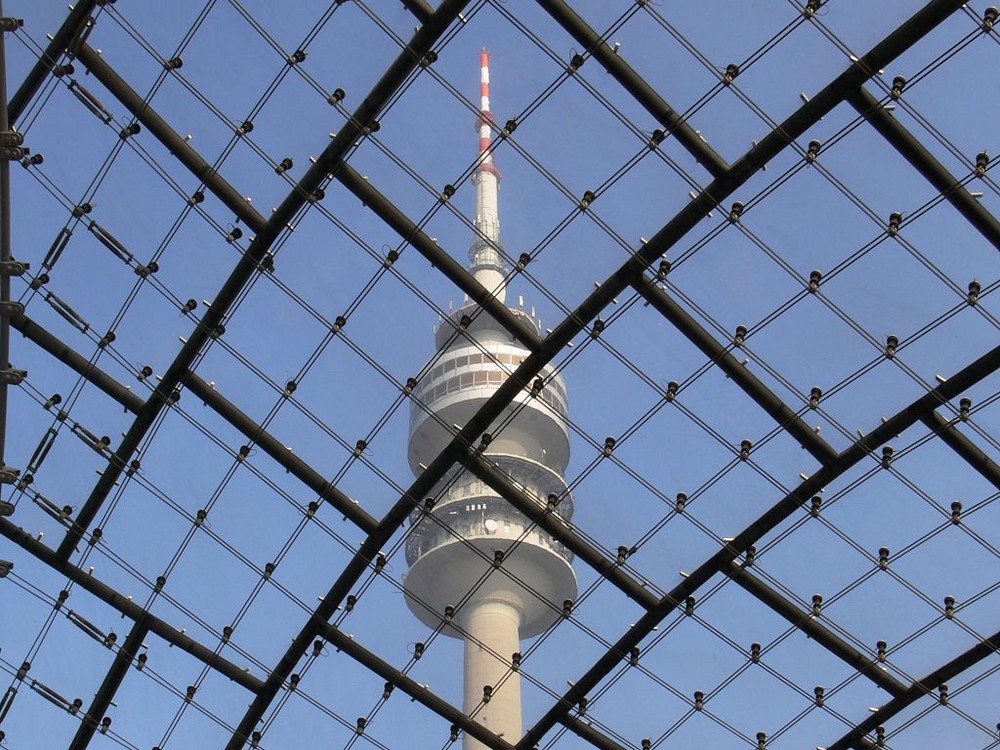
(474,560)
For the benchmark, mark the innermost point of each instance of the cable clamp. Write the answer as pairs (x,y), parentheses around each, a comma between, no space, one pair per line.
(13,267)
(11,309)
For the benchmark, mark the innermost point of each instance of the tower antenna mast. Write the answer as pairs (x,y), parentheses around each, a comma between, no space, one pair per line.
(486,253)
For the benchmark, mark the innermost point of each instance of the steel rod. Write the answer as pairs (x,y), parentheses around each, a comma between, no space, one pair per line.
(109,686)
(276,450)
(784,415)
(814,629)
(411,687)
(76,361)
(445,263)
(127,607)
(553,525)
(171,139)
(964,447)
(4,244)
(984,649)
(642,92)
(926,164)
(71,26)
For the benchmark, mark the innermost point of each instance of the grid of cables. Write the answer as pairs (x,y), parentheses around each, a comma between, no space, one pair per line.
(759,246)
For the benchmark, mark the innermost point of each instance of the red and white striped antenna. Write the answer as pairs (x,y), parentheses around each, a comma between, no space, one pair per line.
(488,264)
(484,123)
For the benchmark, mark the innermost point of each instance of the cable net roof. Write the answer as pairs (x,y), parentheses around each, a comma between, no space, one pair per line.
(758,244)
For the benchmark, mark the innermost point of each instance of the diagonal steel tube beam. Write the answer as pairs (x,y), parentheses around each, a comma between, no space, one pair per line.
(982,650)
(127,607)
(181,149)
(71,26)
(411,687)
(964,447)
(632,82)
(328,162)
(558,529)
(76,361)
(783,414)
(586,731)
(825,637)
(276,450)
(452,269)
(5,252)
(442,708)
(109,686)
(723,559)
(925,162)
(419,8)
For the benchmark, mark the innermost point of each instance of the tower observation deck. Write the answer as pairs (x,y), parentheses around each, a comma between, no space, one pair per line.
(451,550)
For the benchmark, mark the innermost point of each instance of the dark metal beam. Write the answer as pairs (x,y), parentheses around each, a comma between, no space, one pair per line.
(812,627)
(181,149)
(72,26)
(586,731)
(5,254)
(419,8)
(411,687)
(343,642)
(112,681)
(964,447)
(641,91)
(925,162)
(451,268)
(783,414)
(127,607)
(91,372)
(276,450)
(982,650)
(330,162)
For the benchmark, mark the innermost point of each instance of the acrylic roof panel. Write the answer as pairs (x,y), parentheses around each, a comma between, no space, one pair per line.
(761,242)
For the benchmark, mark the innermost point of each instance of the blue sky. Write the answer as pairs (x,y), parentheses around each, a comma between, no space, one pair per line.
(830,216)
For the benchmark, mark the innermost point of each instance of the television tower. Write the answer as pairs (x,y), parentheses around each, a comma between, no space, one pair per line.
(452,550)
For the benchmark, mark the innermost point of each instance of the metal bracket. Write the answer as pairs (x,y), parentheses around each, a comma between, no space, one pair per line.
(8,475)
(13,153)
(12,376)
(10,24)
(11,309)
(13,267)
